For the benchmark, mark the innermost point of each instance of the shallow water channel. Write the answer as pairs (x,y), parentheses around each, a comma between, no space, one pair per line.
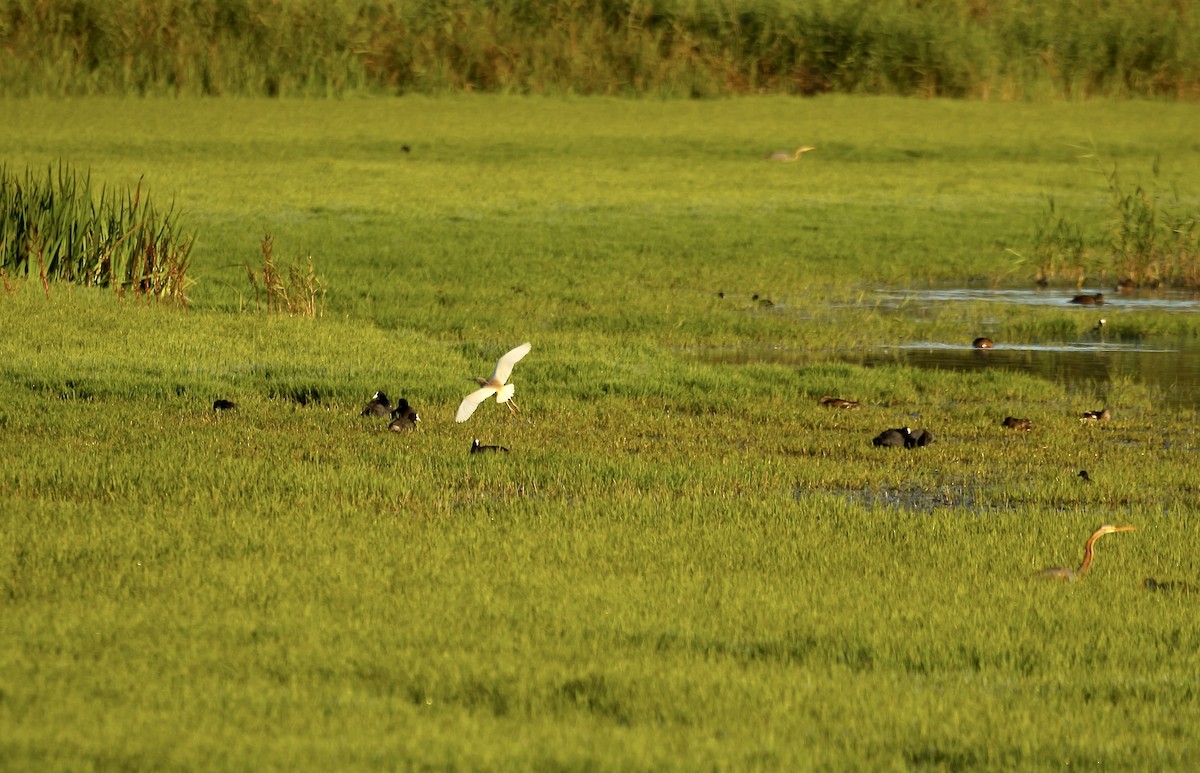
(1170,367)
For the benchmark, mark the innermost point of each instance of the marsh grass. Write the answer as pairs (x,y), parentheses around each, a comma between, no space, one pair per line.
(58,228)
(685,562)
(1011,50)
(298,291)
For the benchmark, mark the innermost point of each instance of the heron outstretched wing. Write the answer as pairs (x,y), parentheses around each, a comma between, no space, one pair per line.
(506,362)
(472,401)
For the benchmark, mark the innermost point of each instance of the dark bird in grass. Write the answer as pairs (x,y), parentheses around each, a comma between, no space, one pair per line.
(1096,299)
(1070,575)
(1084,474)
(1012,422)
(762,301)
(224,405)
(1167,586)
(919,437)
(837,402)
(379,406)
(404,417)
(982,343)
(893,438)
(1101,415)
(476,448)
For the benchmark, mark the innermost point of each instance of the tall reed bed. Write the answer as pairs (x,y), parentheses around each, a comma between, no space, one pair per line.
(56,227)
(985,48)
(1151,239)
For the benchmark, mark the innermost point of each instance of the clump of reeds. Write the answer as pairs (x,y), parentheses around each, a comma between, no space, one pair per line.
(296,290)
(1058,247)
(59,228)
(1152,240)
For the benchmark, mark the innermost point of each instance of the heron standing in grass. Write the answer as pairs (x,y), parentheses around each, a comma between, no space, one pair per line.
(1070,575)
(495,385)
(783,155)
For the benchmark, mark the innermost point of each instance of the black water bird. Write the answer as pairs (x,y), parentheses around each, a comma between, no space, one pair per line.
(476,448)
(893,438)
(224,405)
(379,406)
(919,437)
(404,417)
(982,343)
(1095,299)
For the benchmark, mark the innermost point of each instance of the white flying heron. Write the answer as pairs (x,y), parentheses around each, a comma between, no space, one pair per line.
(495,385)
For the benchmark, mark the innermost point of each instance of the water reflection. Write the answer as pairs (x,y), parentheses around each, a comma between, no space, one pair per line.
(1170,367)
(1161,300)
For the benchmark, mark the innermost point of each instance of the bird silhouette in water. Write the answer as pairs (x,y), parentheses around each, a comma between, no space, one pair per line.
(404,417)
(1071,575)
(495,385)
(476,448)
(982,343)
(783,155)
(1096,299)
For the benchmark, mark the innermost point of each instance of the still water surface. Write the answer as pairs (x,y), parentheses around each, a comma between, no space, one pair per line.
(1168,366)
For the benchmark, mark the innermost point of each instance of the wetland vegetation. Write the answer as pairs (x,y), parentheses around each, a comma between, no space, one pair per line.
(684,561)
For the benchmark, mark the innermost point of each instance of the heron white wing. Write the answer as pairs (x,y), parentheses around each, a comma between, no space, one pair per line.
(506,362)
(471,402)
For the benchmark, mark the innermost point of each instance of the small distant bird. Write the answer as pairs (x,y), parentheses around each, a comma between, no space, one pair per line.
(1100,325)
(379,406)
(1126,286)
(1167,586)
(1084,474)
(1101,415)
(1013,422)
(893,438)
(1070,575)
(982,343)
(405,149)
(404,417)
(494,385)
(224,405)
(476,448)
(762,301)
(783,155)
(1096,299)
(837,402)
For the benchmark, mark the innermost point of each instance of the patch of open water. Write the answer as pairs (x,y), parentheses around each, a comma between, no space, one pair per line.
(1168,366)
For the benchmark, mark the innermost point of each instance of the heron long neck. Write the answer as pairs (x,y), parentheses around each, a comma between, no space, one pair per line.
(1088,552)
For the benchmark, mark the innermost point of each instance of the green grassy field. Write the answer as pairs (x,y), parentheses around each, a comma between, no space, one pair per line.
(685,562)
